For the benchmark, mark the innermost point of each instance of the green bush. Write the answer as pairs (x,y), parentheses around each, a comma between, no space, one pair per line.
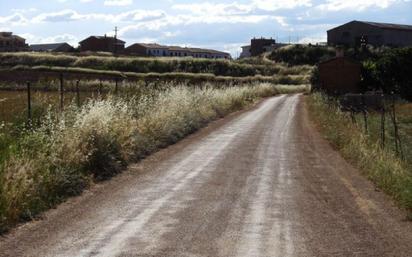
(390,72)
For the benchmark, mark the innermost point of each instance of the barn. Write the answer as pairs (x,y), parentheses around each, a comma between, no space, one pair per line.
(377,34)
(339,75)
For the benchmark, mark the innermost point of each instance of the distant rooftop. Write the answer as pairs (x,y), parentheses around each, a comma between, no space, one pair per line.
(46,47)
(10,35)
(388,25)
(179,48)
(104,38)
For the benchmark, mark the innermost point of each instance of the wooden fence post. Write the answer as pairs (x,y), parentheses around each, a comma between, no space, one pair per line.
(383,135)
(78,93)
(99,91)
(29,102)
(398,143)
(365,114)
(61,92)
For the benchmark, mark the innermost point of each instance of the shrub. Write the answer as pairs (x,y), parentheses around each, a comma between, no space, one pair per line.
(390,72)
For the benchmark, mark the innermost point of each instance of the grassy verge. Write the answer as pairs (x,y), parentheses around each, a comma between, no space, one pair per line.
(382,166)
(67,151)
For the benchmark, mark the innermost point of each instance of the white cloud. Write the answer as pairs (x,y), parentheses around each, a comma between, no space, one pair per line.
(318,38)
(356,5)
(272,5)
(214,9)
(16,19)
(118,2)
(68,38)
(71,15)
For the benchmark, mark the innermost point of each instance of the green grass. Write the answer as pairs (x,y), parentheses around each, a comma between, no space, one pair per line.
(60,156)
(382,166)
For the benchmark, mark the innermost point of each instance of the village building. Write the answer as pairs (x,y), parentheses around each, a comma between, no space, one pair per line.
(377,34)
(55,47)
(102,44)
(12,43)
(156,50)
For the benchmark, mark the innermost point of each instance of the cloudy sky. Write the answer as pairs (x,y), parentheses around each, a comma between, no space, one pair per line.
(223,25)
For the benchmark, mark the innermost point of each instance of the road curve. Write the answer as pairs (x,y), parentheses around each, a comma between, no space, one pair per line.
(259,183)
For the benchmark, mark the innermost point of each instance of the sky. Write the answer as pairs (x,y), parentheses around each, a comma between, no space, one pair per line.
(223,25)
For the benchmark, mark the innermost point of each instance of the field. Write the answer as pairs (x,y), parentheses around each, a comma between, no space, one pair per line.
(388,170)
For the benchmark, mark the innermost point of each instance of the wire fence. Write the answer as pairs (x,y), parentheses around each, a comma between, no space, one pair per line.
(383,118)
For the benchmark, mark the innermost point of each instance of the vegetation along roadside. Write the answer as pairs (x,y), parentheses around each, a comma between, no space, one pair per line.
(388,171)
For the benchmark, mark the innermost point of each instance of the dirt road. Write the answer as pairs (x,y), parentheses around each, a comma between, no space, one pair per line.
(259,183)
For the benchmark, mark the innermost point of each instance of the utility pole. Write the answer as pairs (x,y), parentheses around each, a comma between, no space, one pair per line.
(115,40)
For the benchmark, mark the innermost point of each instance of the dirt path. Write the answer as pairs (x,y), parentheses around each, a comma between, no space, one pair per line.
(259,183)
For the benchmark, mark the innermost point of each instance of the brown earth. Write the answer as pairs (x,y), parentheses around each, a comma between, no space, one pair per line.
(258,183)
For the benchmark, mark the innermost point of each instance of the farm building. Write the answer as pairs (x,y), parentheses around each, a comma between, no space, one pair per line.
(141,49)
(373,33)
(12,43)
(339,75)
(57,47)
(102,44)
